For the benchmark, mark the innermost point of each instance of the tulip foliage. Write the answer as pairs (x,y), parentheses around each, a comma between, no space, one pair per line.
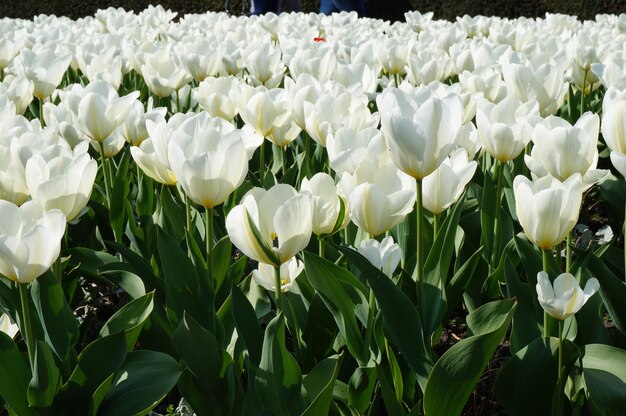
(309,215)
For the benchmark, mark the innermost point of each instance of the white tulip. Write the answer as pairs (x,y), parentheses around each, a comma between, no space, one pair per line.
(547,209)
(444,186)
(264,276)
(30,240)
(271,226)
(384,255)
(561,149)
(564,297)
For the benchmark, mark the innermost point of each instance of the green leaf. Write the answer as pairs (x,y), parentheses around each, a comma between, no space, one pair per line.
(613,291)
(96,363)
(392,405)
(487,215)
(221,261)
(361,387)
(323,277)
(532,373)
(319,385)
(401,320)
(181,283)
(140,384)
(454,376)
(199,350)
(145,197)
(14,377)
(119,195)
(527,317)
(605,375)
(46,378)
(460,281)
(247,325)
(172,214)
(129,319)
(123,275)
(432,304)
(278,378)
(58,321)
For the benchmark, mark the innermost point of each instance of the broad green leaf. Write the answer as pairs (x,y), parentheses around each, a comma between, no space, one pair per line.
(401,320)
(454,376)
(201,353)
(181,283)
(532,373)
(528,316)
(172,214)
(247,325)
(145,197)
(604,371)
(14,377)
(319,385)
(361,387)
(221,261)
(460,281)
(439,257)
(392,405)
(119,195)
(487,215)
(129,319)
(123,275)
(323,276)
(140,384)
(46,377)
(278,378)
(55,315)
(96,363)
(140,265)
(613,291)
(199,350)
(319,332)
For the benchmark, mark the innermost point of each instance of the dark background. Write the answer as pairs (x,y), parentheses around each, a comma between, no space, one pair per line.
(384,9)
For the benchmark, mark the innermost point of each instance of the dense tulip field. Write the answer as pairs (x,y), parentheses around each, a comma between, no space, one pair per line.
(308,215)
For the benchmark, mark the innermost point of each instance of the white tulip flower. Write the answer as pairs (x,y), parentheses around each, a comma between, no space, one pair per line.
(564,297)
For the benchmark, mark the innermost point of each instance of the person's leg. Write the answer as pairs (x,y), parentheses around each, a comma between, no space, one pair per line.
(265,6)
(290,6)
(327,7)
(350,5)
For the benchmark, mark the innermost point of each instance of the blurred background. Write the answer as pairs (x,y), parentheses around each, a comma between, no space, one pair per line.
(382,9)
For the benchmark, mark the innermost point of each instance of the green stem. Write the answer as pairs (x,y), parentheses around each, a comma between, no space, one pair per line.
(284,161)
(497,222)
(435,225)
(546,317)
(320,241)
(188,213)
(559,384)
(178,109)
(41,120)
(57,269)
(397,78)
(277,289)
(369,331)
(208,235)
(582,95)
(262,161)
(296,331)
(105,174)
(28,333)
(420,231)
(568,252)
